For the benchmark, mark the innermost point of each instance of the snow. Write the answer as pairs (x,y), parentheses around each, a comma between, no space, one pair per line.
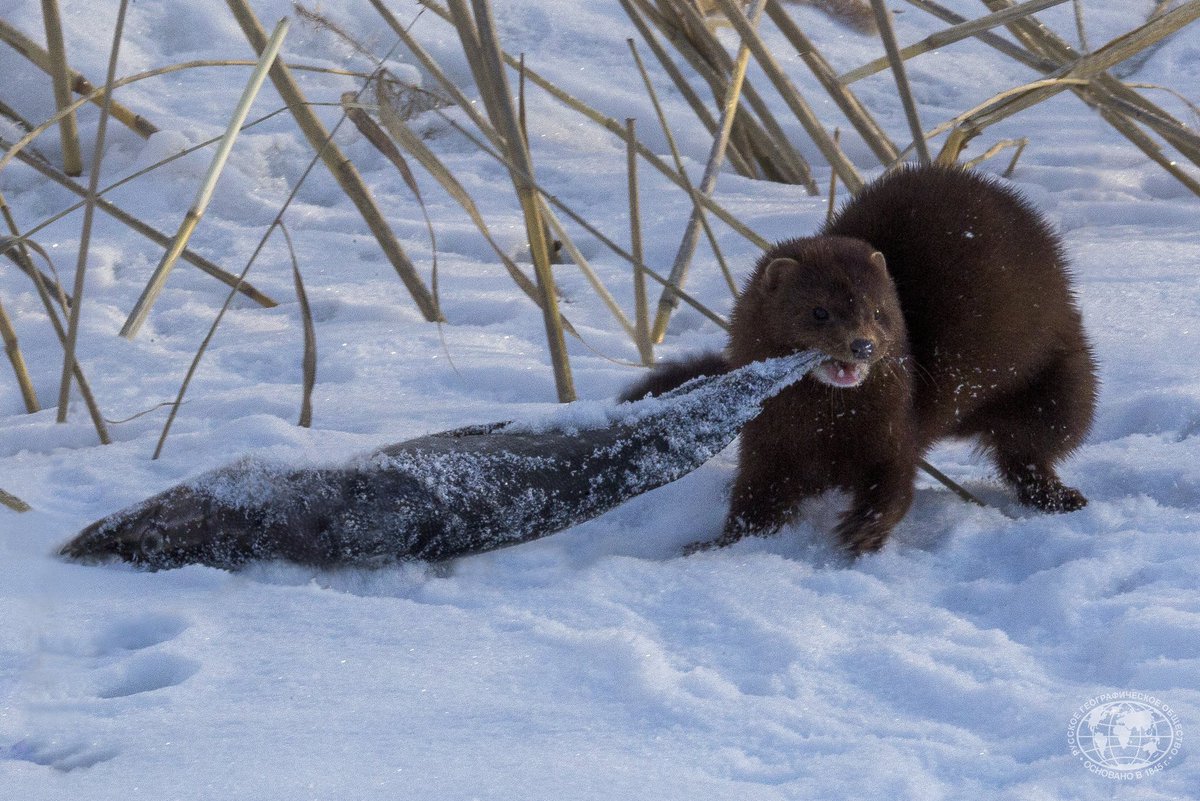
(597,663)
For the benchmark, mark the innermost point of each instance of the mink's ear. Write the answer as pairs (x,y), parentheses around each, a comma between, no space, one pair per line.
(878,260)
(776,272)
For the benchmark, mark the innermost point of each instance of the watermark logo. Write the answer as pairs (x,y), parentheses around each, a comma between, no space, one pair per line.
(1125,735)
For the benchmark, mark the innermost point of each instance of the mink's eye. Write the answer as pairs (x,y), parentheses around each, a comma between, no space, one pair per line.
(820,314)
(878,314)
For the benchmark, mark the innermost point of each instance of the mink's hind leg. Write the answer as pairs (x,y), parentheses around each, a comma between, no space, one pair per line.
(1030,431)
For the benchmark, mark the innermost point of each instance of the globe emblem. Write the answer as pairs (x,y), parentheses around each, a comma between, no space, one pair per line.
(1125,735)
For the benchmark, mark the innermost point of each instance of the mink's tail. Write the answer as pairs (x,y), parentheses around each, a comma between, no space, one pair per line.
(669,375)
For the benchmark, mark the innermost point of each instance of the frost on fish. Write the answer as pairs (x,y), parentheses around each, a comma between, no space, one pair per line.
(443,495)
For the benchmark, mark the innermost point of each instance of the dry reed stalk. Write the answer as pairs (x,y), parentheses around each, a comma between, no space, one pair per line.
(1185,140)
(145,230)
(15,117)
(1098,92)
(696,41)
(31,132)
(1090,66)
(339,165)
(13,502)
(431,66)
(678,159)
(53,218)
(596,232)
(318,20)
(1106,89)
(1180,96)
(642,312)
(1083,69)
(667,302)
(416,147)
(554,247)
(1132,66)
(41,59)
(555,225)
(187,254)
(883,18)
(959,490)
(1079,27)
(16,249)
(964,127)
(380,141)
(21,256)
(309,363)
(795,101)
(987,37)
(318,156)
(855,111)
(618,130)
(685,89)
(1018,146)
(98,96)
(756,131)
(59,74)
(1149,147)
(837,135)
(24,125)
(564,241)
(954,34)
(12,347)
(479,31)
(89,211)
(204,193)
(950,35)
(759,132)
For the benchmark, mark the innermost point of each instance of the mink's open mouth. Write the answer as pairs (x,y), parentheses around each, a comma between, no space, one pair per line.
(841,374)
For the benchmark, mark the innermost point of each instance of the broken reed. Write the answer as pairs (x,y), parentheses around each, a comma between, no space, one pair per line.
(13,502)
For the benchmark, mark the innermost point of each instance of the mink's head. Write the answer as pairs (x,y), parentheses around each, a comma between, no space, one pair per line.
(831,294)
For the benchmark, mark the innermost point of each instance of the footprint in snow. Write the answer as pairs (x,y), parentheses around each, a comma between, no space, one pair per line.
(145,673)
(138,633)
(62,755)
(121,661)
(143,670)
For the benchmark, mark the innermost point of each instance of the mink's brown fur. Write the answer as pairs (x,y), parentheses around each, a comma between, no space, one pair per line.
(970,330)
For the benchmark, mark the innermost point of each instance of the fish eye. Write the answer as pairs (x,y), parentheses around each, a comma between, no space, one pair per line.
(820,314)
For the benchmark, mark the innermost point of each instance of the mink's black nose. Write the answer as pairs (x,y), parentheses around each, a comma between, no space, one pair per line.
(862,349)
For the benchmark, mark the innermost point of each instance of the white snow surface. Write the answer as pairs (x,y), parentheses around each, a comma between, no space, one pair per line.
(597,663)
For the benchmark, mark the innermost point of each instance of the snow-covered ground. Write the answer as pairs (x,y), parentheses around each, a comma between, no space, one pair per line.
(597,663)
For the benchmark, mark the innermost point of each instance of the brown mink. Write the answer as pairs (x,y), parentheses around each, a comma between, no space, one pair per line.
(943,301)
